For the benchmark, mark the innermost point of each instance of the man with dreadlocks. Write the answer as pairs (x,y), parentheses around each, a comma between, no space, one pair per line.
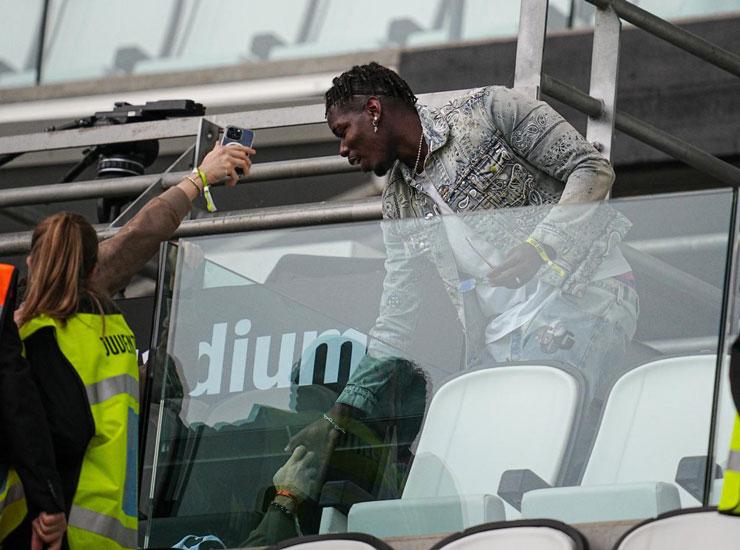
(543,282)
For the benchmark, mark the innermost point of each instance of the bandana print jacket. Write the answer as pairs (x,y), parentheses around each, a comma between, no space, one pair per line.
(490,149)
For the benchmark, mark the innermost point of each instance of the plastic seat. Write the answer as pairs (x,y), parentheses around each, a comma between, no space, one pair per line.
(237,25)
(515,535)
(692,529)
(18,79)
(338,29)
(21,21)
(478,426)
(486,19)
(656,415)
(76,25)
(345,541)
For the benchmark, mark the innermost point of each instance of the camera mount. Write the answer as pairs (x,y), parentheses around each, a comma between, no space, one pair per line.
(125,159)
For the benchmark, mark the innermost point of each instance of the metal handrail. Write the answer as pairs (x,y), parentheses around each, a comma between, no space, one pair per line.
(681,38)
(126,187)
(299,215)
(282,117)
(121,187)
(647,133)
(314,114)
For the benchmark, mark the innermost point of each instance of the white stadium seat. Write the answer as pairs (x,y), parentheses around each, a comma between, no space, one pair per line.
(478,426)
(516,535)
(345,541)
(655,415)
(693,529)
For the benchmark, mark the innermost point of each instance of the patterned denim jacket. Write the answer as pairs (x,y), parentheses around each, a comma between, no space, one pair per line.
(493,148)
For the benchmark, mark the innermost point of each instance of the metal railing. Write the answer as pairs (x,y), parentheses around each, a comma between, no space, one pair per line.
(598,104)
(528,61)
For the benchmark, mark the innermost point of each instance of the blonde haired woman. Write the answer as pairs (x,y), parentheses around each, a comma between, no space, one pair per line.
(83,360)
(83,355)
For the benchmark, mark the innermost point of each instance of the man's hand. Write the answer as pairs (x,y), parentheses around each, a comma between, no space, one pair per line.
(299,474)
(220,164)
(48,529)
(521,264)
(314,436)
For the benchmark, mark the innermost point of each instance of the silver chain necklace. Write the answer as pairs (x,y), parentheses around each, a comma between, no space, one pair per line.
(418,154)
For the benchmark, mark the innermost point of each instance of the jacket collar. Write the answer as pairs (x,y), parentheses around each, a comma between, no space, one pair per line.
(435,127)
(435,130)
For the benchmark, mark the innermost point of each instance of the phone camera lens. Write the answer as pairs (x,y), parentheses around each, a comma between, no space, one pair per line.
(234,133)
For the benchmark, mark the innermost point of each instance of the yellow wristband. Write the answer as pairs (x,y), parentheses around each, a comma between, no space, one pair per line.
(202,176)
(545,258)
(210,205)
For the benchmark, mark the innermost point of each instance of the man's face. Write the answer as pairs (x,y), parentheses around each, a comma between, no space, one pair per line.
(358,142)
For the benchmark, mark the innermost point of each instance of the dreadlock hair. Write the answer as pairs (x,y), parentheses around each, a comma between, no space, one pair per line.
(368,80)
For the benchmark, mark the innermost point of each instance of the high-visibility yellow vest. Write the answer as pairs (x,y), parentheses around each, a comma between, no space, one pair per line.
(730,500)
(12,500)
(104,508)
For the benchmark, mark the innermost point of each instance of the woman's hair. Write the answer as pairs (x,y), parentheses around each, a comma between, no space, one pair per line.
(64,251)
(368,80)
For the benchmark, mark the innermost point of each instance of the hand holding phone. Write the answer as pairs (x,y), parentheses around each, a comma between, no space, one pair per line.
(242,136)
(225,164)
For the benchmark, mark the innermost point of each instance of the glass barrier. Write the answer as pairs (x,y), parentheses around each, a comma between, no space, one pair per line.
(422,376)
(19,42)
(729,405)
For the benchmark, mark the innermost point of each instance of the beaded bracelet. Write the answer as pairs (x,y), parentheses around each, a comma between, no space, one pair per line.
(334,424)
(282,508)
(289,514)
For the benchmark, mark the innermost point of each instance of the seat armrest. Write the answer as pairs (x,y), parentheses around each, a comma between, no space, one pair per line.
(590,503)
(342,495)
(514,483)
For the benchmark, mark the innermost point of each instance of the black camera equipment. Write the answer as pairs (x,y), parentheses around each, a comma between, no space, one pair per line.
(117,160)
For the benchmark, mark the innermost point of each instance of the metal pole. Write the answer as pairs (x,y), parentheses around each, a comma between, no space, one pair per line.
(678,149)
(42,40)
(122,187)
(159,129)
(570,95)
(604,72)
(283,117)
(642,131)
(300,215)
(149,193)
(530,46)
(701,48)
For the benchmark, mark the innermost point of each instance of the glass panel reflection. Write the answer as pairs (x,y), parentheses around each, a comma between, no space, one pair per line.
(19,42)
(114,37)
(381,375)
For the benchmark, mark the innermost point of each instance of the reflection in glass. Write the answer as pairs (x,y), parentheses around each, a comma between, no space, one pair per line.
(19,42)
(114,36)
(557,397)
